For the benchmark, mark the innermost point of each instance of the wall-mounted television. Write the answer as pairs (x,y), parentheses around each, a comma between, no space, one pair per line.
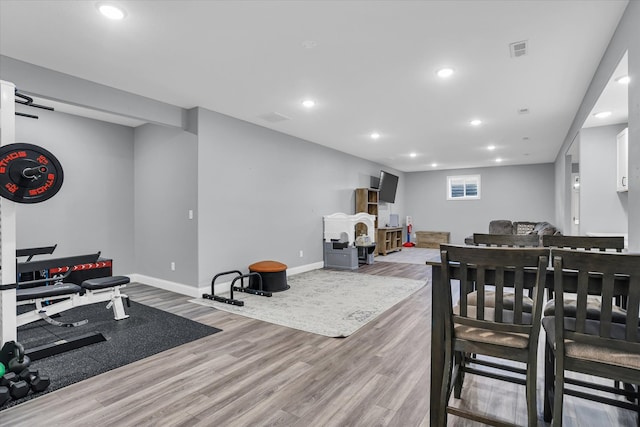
(388,187)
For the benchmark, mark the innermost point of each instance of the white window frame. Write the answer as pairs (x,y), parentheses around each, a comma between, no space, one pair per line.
(465,180)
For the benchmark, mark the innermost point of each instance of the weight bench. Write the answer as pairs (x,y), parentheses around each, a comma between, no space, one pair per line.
(65,296)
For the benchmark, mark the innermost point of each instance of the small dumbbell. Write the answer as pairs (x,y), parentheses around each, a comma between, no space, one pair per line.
(17,388)
(4,395)
(38,382)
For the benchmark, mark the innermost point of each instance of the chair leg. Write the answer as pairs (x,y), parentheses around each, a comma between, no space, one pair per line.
(532,407)
(632,389)
(459,358)
(445,391)
(549,362)
(558,392)
(637,402)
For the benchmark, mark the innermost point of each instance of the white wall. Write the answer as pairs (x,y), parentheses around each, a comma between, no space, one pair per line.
(602,208)
(516,193)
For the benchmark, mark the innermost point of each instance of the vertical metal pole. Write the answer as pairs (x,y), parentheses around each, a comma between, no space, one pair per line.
(8,328)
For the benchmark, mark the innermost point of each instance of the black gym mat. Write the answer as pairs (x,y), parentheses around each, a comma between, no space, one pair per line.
(146,332)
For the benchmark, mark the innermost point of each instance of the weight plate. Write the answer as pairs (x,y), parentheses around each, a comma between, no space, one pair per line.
(29,173)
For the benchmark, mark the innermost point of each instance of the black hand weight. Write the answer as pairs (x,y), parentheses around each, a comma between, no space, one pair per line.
(13,357)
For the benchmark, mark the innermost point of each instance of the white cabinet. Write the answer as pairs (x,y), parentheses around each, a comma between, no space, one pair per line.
(623,160)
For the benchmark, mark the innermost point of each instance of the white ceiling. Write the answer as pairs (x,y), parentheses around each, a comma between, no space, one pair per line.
(371,67)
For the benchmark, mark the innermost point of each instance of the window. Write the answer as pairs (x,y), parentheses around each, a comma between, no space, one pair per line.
(463,187)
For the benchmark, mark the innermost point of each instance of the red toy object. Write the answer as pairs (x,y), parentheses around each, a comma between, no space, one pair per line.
(409,243)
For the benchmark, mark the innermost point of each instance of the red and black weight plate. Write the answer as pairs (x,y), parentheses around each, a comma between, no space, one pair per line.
(28,173)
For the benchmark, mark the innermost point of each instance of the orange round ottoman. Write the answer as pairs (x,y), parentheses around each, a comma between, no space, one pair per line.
(273,273)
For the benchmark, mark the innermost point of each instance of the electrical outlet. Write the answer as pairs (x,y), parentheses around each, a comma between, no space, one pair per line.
(173,266)
(190,213)
(301,253)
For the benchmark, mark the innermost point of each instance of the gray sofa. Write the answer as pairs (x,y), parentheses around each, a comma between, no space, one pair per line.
(505,226)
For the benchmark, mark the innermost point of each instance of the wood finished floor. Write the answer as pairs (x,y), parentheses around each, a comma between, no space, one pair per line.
(259,374)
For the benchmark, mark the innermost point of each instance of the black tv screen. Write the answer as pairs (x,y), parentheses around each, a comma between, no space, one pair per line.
(388,186)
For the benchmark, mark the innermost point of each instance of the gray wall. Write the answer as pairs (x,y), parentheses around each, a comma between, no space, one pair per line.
(602,208)
(93,211)
(517,193)
(166,188)
(262,194)
(626,38)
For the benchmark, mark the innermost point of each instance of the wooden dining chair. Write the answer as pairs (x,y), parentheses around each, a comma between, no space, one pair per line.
(491,320)
(509,240)
(592,340)
(587,243)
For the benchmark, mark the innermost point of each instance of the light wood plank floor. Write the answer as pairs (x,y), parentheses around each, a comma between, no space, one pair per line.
(258,374)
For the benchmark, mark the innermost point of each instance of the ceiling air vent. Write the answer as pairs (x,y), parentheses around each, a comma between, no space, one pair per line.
(518,49)
(274,117)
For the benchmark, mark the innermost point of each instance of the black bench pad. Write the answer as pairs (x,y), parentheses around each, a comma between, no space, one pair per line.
(47,291)
(105,282)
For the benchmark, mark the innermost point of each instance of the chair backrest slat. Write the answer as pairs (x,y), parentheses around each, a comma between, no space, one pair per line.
(519,294)
(499,295)
(606,305)
(602,243)
(581,300)
(633,307)
(509,240)
(480,281)
(464,288)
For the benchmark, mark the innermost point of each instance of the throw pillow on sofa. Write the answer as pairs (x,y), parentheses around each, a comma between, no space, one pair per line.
(544,228)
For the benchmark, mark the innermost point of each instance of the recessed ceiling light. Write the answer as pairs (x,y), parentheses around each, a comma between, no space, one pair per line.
(491,147)
(375,135)
(624,80)
(110,11)
(444,72)
(412,154)
(498,160)
(475,122)
(433,165)
(602,114)
(308,103)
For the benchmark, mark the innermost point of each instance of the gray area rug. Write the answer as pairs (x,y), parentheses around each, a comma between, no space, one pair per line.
(324,302)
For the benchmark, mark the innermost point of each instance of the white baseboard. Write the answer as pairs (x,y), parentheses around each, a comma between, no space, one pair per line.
(193,292)
(176,287)
(304,268)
